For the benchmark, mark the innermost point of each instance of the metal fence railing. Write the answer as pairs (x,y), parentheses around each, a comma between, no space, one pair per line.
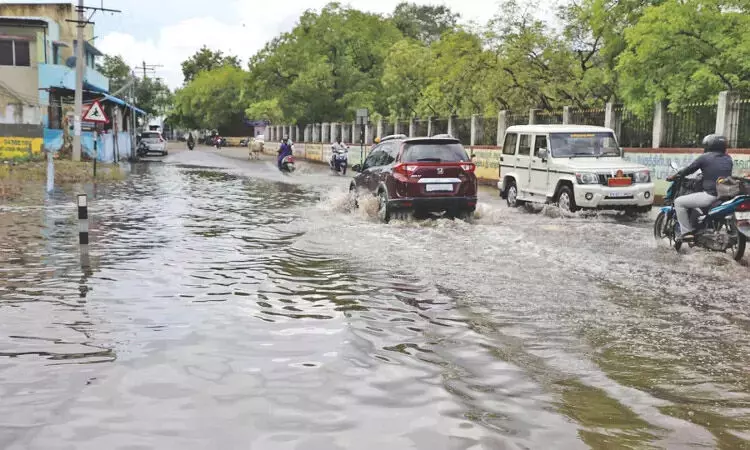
(420,128)
(403,127)
(549,117)
(487,130)
(635,131)
(593,117)
(743,127)
(518,119)
(462,129)
(687,127)
(388,127)
(439,126)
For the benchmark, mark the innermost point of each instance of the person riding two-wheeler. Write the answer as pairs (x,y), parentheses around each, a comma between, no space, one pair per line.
(337,149)
(715,163)
(285,149)
(190,141)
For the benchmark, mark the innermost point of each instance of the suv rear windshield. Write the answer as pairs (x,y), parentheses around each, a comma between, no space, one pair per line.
(434,152)
(150,136)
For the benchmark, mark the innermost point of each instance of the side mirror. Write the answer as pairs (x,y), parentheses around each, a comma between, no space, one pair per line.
(357,168)
(673,165)
(542,154)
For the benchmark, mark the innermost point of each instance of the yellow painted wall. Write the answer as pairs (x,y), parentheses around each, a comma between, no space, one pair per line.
(18,147)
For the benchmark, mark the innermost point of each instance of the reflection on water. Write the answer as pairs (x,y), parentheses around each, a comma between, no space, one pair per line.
(217,310)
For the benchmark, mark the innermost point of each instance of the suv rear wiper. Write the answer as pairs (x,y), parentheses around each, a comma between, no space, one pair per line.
(430,160)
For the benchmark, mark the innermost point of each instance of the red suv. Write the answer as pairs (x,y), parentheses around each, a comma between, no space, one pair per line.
(419,175)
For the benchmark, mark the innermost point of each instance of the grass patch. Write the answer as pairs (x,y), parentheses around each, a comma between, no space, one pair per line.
(65,172)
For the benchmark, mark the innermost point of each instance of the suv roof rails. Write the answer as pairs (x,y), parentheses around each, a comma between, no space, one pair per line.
(393,136)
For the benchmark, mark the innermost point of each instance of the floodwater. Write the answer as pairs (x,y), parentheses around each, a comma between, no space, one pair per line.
(225,306)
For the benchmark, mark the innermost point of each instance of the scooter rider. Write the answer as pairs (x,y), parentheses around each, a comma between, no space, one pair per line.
(714,163)
(285,149)
(190,141)
(336,149)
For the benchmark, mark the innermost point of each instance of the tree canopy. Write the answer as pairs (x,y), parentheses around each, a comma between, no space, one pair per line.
(420,61)
(205,60)
(151,94)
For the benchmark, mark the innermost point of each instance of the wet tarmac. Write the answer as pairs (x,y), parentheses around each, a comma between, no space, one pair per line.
(227,306)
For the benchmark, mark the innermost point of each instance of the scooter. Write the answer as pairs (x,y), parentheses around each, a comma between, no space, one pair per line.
(722,226)
(339,161)
(287,164)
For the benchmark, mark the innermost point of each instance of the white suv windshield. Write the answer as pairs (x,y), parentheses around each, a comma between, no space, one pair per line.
(567,145)
(151,136)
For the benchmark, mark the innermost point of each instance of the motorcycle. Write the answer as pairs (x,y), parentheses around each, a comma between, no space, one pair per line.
(339,161)
(219,142)
(722,226)
(287,164)
(191,144)
(142,150)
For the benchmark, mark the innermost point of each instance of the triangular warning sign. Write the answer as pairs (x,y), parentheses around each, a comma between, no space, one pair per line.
(95,113)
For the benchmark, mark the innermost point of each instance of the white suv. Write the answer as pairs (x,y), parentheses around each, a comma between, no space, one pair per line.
(155,142)
(574,166)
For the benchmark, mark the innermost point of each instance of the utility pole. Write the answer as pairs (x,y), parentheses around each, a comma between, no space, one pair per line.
(81,22)
(79,85)
(149,67)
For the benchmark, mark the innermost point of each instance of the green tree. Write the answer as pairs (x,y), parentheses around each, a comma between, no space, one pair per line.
(265,110)
(406,73)
(117,70)
(153,96)
(204,60)
(686,51)
(329,65)
(425,23)
(213,100)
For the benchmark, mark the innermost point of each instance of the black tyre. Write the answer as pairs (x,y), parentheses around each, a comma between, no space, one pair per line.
(511,195)
(384,207)
(659,233)
(353,194)
(565,200)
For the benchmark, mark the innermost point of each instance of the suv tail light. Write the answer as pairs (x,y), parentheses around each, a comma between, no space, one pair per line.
(468,167)
(405,169)
(161,139)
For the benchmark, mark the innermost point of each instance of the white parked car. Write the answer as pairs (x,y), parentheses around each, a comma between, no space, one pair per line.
(155,142)
(573,166)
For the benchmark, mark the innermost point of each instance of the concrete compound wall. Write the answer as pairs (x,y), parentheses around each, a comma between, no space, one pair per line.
(487,159)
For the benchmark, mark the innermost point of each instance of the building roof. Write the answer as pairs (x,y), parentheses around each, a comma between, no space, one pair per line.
(15,20)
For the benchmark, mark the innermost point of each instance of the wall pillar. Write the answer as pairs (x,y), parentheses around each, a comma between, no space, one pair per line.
(450,125)
(660,125)
(502,125)
(380,128)
(429,126)
(325,133)
(412,127)
(566,115)
(532,115)
(476,130)
(396,127)
(728,117)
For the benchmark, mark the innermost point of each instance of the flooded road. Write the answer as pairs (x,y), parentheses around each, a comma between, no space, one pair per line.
(226,306)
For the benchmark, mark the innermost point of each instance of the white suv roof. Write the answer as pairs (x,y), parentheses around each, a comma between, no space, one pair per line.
(557,129)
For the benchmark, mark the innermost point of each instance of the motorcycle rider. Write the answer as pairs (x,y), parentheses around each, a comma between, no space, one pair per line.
(190,141)
(285,149)
(714,163)
(336,149)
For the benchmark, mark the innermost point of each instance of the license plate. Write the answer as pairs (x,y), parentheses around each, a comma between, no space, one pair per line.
(619,194)
(624,181)
(742,215)
(439,187)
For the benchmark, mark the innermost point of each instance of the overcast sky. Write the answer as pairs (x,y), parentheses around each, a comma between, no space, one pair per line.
(167,32)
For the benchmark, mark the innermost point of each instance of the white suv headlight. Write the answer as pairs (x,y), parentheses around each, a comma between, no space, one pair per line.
(643,176)
(587,178)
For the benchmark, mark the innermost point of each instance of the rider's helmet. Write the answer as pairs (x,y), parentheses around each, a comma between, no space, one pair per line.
(714,143)
(377,140)
(285,138)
